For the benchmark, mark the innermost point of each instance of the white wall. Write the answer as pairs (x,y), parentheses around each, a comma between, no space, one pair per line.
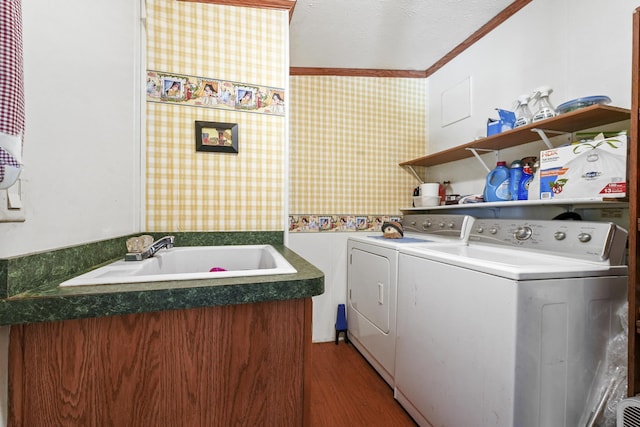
(328,252)
(578,47)
(81,177)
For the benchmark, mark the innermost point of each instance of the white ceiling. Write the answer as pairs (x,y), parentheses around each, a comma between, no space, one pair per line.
(383,34)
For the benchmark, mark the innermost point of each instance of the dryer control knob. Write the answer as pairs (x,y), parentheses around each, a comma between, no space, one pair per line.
(479,230)
(584,237)
(560,235)
(426,224)
(441,225)
(523,233)
(450,225)
(493,230)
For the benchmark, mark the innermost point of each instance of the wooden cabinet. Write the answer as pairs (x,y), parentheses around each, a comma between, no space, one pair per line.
(240,365)
(633,383)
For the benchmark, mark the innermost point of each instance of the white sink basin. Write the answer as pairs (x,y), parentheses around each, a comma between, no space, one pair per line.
(190,263)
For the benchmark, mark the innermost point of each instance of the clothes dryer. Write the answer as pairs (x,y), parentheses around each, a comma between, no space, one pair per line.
(372,271)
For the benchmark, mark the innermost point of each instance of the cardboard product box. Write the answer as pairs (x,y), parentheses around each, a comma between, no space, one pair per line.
(594,168)
(506,122)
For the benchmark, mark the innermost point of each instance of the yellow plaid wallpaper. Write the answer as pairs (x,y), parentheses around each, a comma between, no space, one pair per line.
(347,136)
(203,191)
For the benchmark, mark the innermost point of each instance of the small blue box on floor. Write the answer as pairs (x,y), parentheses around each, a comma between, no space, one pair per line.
(341,324)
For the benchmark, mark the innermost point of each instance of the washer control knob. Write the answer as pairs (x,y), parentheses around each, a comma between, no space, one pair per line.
(412,223)
(523,233)
(426,224)
(493,230)
(441,225)
(479,230)
(450,225)
(559,235)
(584,237)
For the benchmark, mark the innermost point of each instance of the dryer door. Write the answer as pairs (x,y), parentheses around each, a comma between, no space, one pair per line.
(371,277)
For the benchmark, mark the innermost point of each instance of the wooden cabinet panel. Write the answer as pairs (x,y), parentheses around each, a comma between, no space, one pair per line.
(222,366)
(633,373)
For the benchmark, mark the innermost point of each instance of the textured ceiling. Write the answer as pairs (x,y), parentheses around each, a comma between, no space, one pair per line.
(384,34)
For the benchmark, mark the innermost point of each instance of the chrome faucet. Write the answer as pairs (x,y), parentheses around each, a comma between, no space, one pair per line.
(165,242)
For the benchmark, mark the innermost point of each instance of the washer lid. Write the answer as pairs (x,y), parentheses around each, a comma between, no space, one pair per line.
(514,264)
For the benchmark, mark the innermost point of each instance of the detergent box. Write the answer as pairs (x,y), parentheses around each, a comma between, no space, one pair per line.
(593,168)
(506,122)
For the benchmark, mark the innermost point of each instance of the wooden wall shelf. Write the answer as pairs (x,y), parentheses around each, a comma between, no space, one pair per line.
(568,204)
(584,118)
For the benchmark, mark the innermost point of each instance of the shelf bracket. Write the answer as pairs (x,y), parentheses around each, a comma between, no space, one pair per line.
(545,138)
(475,153)
(414,173)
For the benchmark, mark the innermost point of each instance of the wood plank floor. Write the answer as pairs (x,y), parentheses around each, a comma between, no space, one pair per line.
(347,391)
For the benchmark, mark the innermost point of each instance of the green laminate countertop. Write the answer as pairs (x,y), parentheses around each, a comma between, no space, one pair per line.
(30,292)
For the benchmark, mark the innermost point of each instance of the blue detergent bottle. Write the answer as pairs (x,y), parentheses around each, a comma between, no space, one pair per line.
(515,176)
(496,188)
(527,176)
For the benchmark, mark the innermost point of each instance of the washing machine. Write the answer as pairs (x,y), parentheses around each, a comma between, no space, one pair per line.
(510,329)
(372,270)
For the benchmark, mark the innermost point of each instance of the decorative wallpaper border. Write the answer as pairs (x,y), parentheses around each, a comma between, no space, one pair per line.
(208,92)
(333,223)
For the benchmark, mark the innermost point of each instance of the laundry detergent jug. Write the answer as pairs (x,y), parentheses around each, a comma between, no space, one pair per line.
(496,188)
(515,176)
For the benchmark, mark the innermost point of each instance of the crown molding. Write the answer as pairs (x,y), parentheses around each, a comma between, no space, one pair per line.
(263,4)
(354,72)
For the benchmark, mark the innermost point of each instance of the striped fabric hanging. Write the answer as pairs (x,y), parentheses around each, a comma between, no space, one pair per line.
(12,115)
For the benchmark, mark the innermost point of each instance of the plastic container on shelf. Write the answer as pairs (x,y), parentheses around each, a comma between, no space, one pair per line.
(525,182)
(515,176)
(545,109)
(497,184)
(523,113)
(534,186)
(576,104)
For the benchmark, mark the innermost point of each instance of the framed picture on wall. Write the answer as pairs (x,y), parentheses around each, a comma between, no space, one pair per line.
(215,136)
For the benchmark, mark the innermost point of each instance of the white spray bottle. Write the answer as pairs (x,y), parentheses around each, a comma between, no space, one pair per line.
(541,98)
(523,114)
